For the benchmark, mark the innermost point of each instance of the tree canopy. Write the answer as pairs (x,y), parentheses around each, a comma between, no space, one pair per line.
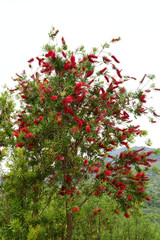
(73,111)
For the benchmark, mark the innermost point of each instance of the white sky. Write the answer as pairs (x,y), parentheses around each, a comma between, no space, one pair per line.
(25,24)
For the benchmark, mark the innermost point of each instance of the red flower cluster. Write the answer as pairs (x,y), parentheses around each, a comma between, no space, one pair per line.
(51,54)
(60,158)
(127,215)
(75,209)
(85,161)
(88,129)
(142,98)
(68,178)
(19,145)
(54,97)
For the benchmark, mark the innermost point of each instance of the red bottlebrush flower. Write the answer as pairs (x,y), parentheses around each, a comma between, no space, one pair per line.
(89,139)
(95,212)
(115,59)
(60,158)
(51,54)
(29,135)
(85,161)
(139,174)
(40,60)
(96,169)
(0,152)
(113,143)
(148,198)
(142,98)
(68,65)
(68,192)
(64,55)
(115,39)
(15,134)
(23,96)
(68,178)
(31,144)
(31,60)
(91,81)
(97,176)
(118,73)
(149,153)
(108,164)
(88,129)
(63,41)
(92,56)
(91,60)
(108,172)
(116,211)
(68,99)
(107,79)
(73,59)
(122,186)
(78,192)
(103,70)
(54,97)
(56,32)
(51,179)
(105,179)
(21,124)
(96,193)
(123,137)
(80,124)
(129,197)
(122,90)
(60,123)
(120,192)
(118,196)
(96,110)
(36,122)
(155,114)
(105,59)
(78,86)
(40,118)
(75,209)
(100,210)
(42,99)
(141,189)
(19,145)
(127,215)
(89,74)
(70,111)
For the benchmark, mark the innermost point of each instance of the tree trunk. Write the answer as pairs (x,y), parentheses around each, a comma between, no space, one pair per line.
(69,224)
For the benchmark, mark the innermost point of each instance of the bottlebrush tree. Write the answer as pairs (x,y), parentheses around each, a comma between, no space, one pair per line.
(74,110)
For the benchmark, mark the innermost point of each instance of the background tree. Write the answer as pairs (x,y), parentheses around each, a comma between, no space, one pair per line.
(74,110)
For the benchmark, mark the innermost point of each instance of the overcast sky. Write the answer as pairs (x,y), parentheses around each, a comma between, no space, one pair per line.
(24,27)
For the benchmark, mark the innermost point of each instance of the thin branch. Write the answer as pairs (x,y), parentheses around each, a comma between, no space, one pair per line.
(85,199)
